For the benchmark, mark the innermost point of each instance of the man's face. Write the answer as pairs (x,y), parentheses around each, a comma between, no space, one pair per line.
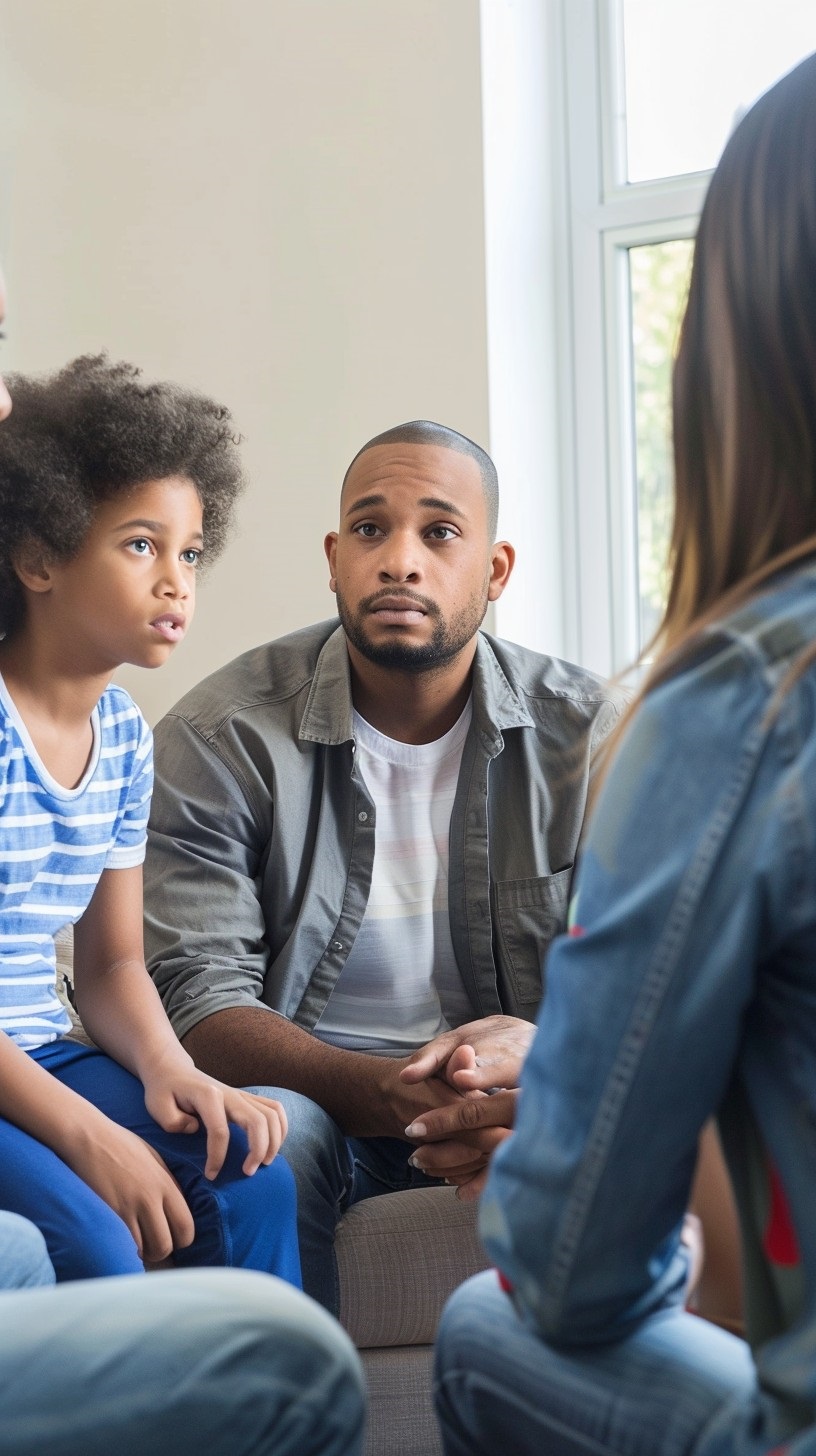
(412,564)
(5,401)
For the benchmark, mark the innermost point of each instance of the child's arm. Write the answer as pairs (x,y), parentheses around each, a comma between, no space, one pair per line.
(122,1011)
(119,1166)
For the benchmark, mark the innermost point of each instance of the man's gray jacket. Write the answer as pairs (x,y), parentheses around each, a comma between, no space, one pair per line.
(262,830)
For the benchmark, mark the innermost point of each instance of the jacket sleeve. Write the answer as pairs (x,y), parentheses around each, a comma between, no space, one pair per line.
(204,928)
(680,883)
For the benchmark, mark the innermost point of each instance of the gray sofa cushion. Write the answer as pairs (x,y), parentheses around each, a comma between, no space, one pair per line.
(399,1256)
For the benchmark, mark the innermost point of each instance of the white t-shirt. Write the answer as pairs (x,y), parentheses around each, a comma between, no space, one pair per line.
(401,985)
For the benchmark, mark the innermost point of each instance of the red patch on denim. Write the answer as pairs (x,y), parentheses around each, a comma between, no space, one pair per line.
(504,1282)
(779,1240)
(575,931)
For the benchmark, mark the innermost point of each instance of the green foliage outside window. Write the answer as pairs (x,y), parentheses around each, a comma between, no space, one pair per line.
(659,278)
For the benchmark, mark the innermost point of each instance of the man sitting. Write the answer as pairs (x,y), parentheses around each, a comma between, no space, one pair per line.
(364,834)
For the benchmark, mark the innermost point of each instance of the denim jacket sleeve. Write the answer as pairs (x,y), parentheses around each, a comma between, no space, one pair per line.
(689,877)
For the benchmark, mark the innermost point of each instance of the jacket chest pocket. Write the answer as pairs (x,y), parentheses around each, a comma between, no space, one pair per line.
(527,915)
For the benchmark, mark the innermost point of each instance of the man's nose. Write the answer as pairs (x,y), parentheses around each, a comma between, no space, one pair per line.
(400,560)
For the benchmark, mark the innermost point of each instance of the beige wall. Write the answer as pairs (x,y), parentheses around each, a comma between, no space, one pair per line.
(279,201)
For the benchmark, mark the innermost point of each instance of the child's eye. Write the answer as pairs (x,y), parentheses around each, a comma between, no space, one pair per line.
(191,556)
(140,545)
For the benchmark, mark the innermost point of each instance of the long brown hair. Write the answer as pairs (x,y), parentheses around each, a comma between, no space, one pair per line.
(744,383)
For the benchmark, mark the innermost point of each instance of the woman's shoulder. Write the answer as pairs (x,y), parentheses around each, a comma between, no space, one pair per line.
(738,661)
(778,624)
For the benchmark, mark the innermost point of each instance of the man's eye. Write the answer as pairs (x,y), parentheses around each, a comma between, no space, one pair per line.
(191,556)
(442,533)
(366,529)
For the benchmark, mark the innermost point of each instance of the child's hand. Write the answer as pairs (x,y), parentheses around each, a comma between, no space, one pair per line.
(135,1183)
(183,1097)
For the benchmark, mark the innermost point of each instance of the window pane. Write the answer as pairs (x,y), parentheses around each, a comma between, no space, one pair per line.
(659,277)
(694,66)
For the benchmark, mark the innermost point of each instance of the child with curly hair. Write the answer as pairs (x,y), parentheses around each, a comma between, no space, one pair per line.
(112,491)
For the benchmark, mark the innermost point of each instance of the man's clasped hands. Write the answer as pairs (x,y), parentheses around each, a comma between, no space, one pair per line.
(479,1065)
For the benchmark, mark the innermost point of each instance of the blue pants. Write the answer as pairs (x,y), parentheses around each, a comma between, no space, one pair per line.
(499,1387)
(247,1223)
(331,1173)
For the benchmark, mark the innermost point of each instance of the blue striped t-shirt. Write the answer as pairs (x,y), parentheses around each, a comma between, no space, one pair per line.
(55,843)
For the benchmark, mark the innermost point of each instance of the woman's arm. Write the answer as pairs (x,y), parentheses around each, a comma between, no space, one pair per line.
(643,1016)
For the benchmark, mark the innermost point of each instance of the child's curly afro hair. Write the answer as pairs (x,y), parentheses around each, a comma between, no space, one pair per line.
(90,432)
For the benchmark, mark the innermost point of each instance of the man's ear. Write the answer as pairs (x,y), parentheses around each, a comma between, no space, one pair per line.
(502,559)
(32,568)
(330,548)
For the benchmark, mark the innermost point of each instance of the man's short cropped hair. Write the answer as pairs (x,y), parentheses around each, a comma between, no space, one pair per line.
(427,432)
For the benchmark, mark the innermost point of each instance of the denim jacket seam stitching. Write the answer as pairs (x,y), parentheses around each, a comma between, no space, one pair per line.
(641,1024)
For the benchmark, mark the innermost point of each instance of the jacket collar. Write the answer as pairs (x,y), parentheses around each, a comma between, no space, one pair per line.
(327,717)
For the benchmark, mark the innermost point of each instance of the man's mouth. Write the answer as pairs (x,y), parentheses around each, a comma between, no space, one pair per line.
(170,626)
(397,611)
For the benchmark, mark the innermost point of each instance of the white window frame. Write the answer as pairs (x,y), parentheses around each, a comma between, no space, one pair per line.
(608,216)
(572,484)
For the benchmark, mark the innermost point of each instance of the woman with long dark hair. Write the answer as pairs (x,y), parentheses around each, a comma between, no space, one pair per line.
(686,987)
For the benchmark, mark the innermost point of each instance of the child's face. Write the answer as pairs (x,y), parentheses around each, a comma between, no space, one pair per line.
(129,593)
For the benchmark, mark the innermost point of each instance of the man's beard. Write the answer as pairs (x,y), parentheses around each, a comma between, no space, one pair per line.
(445,643)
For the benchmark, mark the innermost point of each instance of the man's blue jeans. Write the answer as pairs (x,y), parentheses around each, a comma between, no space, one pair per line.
(664,1388)
(331,1173)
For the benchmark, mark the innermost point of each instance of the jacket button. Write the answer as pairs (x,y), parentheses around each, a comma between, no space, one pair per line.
(337,945)
(362,816)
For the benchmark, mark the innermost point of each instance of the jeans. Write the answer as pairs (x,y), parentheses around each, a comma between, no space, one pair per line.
(499,1387)
(332,1172)
(243,1222)
(24,1261)
(224,1361)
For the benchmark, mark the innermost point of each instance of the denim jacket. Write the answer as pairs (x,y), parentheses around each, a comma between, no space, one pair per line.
(262,829)
(686,987)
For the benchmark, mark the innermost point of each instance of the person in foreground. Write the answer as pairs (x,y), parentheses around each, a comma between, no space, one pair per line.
(108,490)
(214,1360)
(237,1363)
(687,985)
(218,1360)
(369,828)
